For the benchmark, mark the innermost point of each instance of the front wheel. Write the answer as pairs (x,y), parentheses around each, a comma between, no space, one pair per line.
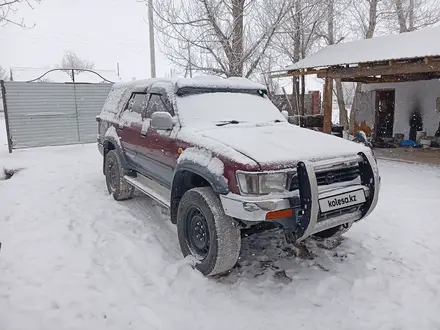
(206,232)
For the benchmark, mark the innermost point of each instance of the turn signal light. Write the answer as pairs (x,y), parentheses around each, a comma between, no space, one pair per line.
(279,214)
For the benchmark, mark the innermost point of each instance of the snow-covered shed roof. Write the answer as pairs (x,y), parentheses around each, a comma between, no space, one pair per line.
(417,44)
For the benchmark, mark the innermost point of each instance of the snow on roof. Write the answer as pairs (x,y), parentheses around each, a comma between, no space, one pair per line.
(199,81)
(416,44)
(219,82)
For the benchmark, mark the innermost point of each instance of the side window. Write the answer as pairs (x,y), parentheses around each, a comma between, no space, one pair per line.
(136,103)
(155,104)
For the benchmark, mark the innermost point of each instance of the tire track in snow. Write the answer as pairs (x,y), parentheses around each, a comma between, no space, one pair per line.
(151,214)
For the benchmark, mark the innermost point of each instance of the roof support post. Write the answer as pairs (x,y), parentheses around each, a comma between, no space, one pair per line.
(328,102)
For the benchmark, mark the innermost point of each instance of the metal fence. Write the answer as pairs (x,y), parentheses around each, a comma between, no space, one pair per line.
(49,114)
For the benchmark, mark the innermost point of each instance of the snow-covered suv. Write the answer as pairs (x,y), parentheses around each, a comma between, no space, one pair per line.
(222,158)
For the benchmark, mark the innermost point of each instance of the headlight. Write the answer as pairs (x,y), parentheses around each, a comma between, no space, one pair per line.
(261,183)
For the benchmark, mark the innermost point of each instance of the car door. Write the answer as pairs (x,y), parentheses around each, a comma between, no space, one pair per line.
(130,126)
(158,153)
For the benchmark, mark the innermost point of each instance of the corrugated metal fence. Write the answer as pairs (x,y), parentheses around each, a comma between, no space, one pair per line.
(49,114)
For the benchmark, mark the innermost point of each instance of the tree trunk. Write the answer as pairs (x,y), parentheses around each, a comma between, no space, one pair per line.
(401,16)
(236,65)
(372,19)
(331,41)
(411,15)
(355,107)
(328,103)
(330,21)
(343,117)
(372,22)
(295,96)
(303,93)
(296,57)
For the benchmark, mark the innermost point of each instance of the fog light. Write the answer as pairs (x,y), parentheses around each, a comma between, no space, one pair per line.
(251,207)
(268,205)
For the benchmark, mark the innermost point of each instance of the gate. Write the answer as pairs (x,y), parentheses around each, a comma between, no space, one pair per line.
(49,114)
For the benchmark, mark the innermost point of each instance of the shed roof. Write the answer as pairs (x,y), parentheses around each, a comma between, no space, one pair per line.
(417,44)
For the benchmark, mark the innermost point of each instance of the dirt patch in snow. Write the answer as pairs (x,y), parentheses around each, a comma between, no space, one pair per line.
(6,174)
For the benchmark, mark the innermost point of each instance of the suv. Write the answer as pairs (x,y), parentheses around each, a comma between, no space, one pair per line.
(223,159)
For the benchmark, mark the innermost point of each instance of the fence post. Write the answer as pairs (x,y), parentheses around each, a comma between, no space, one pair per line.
(5,108)
(77,112)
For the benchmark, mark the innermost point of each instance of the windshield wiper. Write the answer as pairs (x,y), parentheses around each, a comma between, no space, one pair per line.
(227,122)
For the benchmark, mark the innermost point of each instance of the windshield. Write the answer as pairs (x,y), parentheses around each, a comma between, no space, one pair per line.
(216,109)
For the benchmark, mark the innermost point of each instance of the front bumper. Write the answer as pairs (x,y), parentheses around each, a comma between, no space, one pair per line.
(307,218)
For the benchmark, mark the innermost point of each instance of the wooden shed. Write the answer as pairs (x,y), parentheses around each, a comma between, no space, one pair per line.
(399,75)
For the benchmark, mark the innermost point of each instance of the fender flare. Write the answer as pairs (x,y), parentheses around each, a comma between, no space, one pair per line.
(118,149)
(218,183)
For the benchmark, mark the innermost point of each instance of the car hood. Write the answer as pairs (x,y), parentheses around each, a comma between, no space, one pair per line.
(282,144)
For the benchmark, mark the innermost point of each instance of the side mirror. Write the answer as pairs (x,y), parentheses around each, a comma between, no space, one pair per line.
(162,120)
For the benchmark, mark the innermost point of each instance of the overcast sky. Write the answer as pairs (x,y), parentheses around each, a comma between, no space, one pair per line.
(102,31)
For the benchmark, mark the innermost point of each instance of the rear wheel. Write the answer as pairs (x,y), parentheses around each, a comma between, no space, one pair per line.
(114,177)
(206,233)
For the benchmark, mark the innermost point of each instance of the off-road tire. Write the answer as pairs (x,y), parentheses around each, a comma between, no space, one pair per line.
(224,236)
(333,232)
(120,189)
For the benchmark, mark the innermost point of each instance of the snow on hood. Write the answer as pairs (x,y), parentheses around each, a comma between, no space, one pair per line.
(282,143)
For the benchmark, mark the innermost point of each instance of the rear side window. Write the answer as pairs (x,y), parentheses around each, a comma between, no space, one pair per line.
(117,98)
(137,103)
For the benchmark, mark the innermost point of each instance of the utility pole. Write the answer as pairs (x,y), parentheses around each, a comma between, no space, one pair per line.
(151,30)
(117,69)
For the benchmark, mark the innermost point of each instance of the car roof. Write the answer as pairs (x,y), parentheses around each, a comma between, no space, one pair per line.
(206,82)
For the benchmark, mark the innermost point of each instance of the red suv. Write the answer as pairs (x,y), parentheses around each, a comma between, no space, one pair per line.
(223,159)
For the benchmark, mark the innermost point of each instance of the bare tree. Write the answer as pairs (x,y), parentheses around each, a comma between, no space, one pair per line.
(410,15)
(73,65)
(343,117)
(333,30)
(3,74)
(8,9)
(368,27)
(223,37)
(295,39)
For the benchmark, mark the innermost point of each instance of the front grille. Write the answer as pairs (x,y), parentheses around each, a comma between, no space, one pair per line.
(336,176)
(329,176)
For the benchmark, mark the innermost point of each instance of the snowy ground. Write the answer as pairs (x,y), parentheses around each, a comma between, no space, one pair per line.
(73,258)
